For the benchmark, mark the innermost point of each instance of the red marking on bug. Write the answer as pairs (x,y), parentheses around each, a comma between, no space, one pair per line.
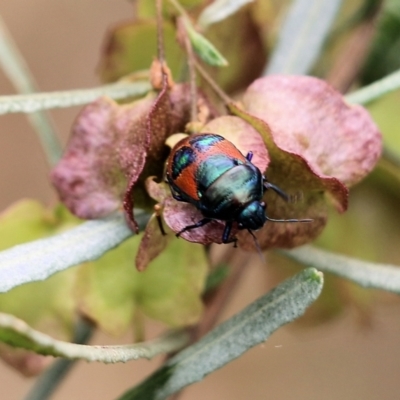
(224,147)
(186,182)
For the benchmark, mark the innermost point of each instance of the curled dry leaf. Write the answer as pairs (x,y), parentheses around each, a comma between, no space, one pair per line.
(113,149)
(152,137)
(157,191)
(153,242)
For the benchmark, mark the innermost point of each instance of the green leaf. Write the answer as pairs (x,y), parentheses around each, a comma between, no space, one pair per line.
(132,47)
(375,90)
(111,291)
(204,48)
(232,338)
(371,275)
(218,10)
(302,36)
(52,377)
(86,242)
(216,277)
(385,112)
(17,333)
(47,100)
(28,220)
(48,306)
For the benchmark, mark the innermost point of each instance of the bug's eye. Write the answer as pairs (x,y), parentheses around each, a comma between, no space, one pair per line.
(263,205)
(240,225)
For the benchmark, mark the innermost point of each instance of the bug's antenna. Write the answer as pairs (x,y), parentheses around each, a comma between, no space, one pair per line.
(289,220)
(257,246)
(277,190)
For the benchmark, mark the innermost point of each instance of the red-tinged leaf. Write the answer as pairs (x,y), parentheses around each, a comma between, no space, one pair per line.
(181,96)
(107,148)
(154,132)
(114,148)
(154,241)
(292,174)
(157,191)
(178,215)
(309,118)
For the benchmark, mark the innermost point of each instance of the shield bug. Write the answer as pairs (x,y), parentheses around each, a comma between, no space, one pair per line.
(208,171)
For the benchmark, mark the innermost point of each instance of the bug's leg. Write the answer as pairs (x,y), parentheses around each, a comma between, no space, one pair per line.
(276,189)
(177,197)
(249,156)
(226,234)
(157,212)
(202,222)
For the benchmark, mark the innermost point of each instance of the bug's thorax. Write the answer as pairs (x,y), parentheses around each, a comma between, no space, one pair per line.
(231,192)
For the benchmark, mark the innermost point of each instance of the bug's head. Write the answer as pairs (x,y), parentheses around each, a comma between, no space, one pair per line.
(252,216)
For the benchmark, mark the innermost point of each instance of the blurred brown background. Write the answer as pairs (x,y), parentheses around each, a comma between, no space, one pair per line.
(61,41)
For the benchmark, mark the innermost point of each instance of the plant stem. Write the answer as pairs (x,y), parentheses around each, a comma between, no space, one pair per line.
(375,90)
(179,8)
(18,73)
(28,103)
(191,65)
(160,36)
(216,302)
(48,382)
(223,96)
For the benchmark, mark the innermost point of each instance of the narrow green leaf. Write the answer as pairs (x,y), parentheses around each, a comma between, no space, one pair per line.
(17,333)
(219,10)
(216,277)
(54,375)
(228,341)
(205,49)
(370,275)
(375,90)
(45,101)
(302,36)
(37,260)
